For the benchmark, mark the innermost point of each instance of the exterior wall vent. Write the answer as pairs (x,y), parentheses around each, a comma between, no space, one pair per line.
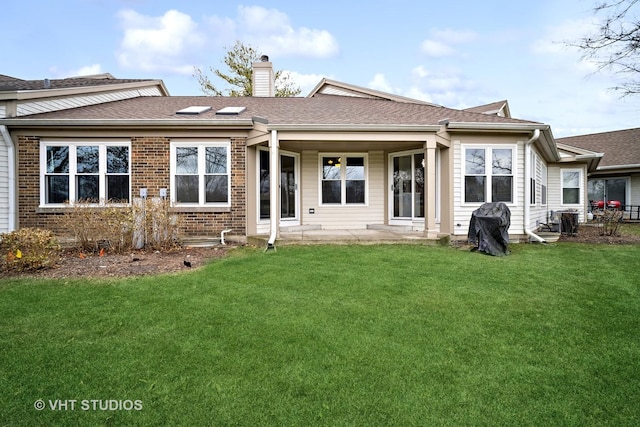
(231,111)
(193,110)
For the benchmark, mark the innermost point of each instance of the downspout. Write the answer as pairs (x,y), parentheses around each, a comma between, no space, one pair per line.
(273,188)
(527,185)
(12,176)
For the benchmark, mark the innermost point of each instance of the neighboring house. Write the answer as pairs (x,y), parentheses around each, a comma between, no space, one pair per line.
(344,157)
(26,97)
(617,177)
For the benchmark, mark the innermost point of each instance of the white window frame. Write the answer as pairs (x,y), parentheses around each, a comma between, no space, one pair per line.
(343,178)
(488,150)
(202,146)
(580,186)
(73,165)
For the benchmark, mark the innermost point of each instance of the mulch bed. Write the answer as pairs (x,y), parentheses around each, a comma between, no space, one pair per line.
(73,264)
(590,233)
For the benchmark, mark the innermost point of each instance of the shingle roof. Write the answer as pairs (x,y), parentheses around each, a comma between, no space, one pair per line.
(8,83)
(620,147)
(318,110)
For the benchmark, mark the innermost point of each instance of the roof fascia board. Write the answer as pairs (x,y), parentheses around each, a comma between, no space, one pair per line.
(29,123)
(349,135)
(52,93)
(493,127)
(354,128)
(570,149)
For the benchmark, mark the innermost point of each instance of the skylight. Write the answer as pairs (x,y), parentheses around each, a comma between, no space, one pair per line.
(231,111)
(194,110)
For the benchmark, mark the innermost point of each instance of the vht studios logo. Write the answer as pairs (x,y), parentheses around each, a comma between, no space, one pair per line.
(88,405)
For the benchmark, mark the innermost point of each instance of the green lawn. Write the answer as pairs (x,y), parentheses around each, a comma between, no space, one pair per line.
(335,336)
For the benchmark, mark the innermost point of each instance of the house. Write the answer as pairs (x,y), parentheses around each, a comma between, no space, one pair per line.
(20,97)
(344,157)
(617,177)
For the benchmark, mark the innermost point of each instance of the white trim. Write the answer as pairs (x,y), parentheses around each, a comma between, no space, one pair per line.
(343,179)
(283,221)
(488,149)
(413,219)
(580,186)
(102,145)
(201,146)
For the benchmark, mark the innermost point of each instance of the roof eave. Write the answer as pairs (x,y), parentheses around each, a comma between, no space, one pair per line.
(164,123)
(353,127)
(50,93)
(496,127)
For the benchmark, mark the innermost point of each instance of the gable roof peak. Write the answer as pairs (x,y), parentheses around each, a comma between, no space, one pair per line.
(333,87)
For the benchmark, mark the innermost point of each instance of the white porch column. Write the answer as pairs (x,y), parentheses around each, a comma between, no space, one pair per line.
(274,185)
(430,188)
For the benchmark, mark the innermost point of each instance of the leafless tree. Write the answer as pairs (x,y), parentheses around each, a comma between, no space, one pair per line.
(615,45)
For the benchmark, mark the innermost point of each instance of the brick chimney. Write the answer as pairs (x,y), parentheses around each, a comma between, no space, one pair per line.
(263,78)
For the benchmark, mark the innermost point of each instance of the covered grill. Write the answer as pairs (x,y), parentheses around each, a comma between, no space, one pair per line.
(489,228)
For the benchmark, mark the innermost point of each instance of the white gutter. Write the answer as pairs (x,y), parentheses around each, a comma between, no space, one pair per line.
(603,168)
(527,185)
(12,176)
(274,178)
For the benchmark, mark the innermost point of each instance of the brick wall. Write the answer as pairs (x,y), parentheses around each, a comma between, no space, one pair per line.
(150,169)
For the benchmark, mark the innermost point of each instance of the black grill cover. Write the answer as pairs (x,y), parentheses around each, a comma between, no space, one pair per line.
(489,228)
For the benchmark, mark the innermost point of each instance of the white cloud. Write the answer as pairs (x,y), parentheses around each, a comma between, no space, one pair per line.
(271,31)
(88,70)
(436,48)
(163,43)
(441,42)
(558,39)
(306,82)
(380,82)
(174,42)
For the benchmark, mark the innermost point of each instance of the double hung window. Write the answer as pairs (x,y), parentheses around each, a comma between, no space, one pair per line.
(200,173)
(343,179)
(571,186)
(488,182)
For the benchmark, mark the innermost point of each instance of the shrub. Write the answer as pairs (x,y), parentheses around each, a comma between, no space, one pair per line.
(609,222)
(28,249)
(108,227)
(121,228)
(160,225)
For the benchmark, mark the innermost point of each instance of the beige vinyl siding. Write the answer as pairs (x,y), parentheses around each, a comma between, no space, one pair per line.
(344,216)
(4,187)
(43,106)
(538,211)
(333,90)
(3,111)
(555,189)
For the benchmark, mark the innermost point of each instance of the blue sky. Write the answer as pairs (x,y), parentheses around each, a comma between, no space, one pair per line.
(455,53)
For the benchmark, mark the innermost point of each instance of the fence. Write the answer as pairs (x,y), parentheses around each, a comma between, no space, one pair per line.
(630,212)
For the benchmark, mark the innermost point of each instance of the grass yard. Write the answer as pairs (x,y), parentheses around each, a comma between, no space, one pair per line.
(335,336)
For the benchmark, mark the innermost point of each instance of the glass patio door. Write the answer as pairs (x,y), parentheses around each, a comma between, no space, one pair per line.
(289,195)
(608,189)
(407,186)
(288,188)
